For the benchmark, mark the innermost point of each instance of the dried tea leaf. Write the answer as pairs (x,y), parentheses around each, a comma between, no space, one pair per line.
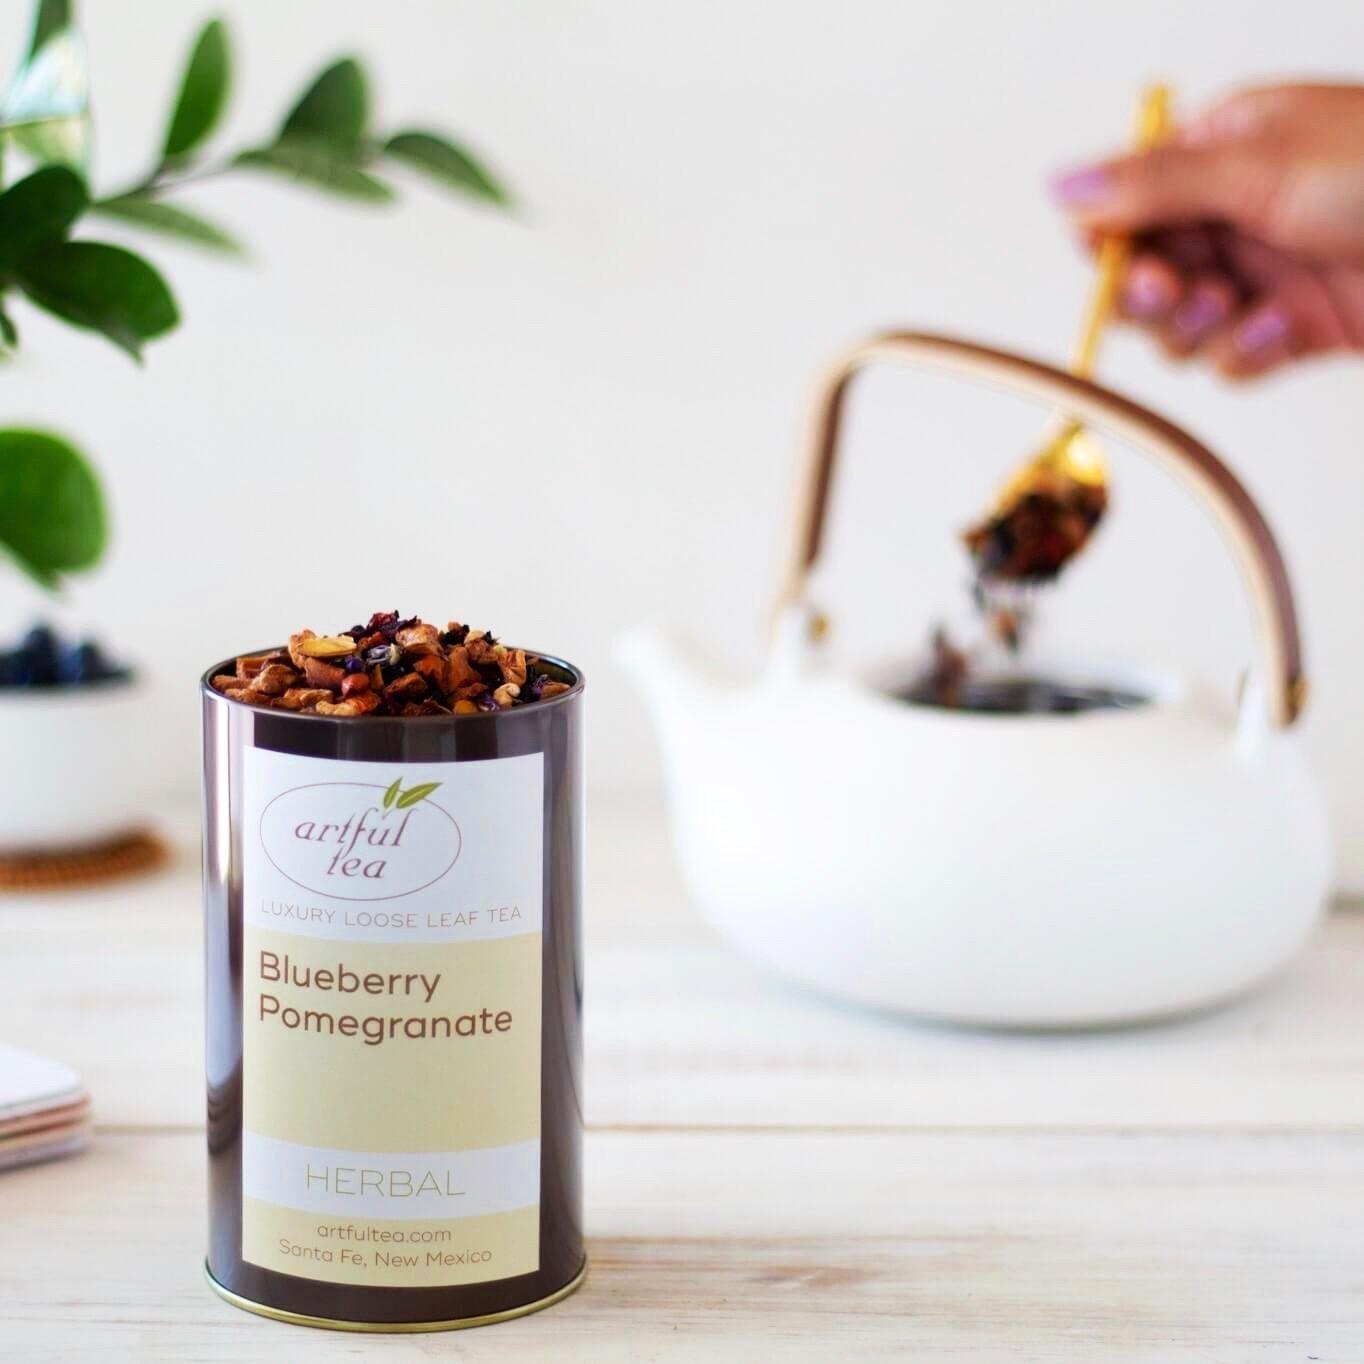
(395,666)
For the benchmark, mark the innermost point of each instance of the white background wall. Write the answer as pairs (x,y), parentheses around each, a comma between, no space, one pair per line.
(564,424)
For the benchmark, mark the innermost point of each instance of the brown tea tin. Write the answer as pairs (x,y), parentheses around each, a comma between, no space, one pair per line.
(394,1012)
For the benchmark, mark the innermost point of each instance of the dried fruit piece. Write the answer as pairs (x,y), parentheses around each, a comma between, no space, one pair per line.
(420,633)
(428,706)
(435,669)
(322,674)
(354,705)
(274,679)
(326,646)
(296,642)
(408,687)
(251,698)
(461,672)
(300,698)
(513,664)
(395,666)
(248,665)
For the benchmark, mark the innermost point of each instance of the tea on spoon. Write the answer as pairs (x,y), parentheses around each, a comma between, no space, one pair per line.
(1047,511)
(1044,515)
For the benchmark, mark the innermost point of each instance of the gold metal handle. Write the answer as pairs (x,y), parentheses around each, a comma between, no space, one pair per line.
(1192,462)
(1153,126)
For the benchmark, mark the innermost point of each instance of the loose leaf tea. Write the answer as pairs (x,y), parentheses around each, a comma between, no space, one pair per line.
(1032,538)
(394,666)
(1033,533)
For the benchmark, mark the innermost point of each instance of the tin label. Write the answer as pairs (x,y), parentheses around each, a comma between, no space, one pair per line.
(391,1019)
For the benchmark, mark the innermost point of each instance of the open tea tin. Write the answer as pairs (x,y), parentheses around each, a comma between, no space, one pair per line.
(394,1012)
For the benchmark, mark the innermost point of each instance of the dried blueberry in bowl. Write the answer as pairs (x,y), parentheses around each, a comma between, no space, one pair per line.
(43,659)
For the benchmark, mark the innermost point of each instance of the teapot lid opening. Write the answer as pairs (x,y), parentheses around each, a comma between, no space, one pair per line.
(1037,688)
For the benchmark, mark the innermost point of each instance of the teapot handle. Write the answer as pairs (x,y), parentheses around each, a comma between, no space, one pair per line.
(1196,465)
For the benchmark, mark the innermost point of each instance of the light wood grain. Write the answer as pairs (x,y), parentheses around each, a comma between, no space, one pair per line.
(795,1246)
(769,1175)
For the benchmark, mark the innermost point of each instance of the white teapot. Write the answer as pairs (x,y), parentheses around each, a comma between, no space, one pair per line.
(1168,857)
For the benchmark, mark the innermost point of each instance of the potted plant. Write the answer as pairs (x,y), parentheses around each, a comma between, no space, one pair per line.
(69,718)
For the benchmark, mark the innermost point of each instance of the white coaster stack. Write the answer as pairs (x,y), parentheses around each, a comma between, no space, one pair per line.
(44,1109)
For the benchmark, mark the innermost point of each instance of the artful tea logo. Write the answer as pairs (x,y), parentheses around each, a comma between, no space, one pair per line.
(354,841)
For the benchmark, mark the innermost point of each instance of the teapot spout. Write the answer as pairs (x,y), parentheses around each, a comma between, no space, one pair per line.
(685,701)
(666,675)
(675,680)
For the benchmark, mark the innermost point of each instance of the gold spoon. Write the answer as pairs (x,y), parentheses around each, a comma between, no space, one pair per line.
(1046,511)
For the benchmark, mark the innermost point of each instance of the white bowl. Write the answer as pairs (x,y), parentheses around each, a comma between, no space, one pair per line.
(73,764)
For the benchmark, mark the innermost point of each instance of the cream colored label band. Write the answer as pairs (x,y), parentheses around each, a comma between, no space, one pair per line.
(391,1254)
(401,1185)
(391,1000)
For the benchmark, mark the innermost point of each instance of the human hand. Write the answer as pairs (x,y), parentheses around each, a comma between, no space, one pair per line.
(1248,228)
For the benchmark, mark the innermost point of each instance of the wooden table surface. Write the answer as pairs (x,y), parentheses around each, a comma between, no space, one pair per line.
(769,1176)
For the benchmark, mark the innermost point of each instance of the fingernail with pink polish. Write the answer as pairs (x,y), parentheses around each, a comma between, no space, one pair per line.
(1081,186)
(1145,296)
(1262,330)
(1202,311)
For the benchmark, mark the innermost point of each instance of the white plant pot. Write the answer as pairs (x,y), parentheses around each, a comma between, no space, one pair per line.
(74,765)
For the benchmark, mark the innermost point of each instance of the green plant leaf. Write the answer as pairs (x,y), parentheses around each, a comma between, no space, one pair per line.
(392,793)
(446,162)
(49,17)
(319,164)
(38,209)
(334,108)
(203,92)
(51,511)
(141,210)
(102,287)
(415,794)
(9,333)
(47,107)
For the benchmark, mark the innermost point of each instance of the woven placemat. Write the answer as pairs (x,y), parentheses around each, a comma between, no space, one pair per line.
(122,856)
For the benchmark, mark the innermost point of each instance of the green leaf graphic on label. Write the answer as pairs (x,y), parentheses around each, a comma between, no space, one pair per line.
(417,793)
(392,793)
